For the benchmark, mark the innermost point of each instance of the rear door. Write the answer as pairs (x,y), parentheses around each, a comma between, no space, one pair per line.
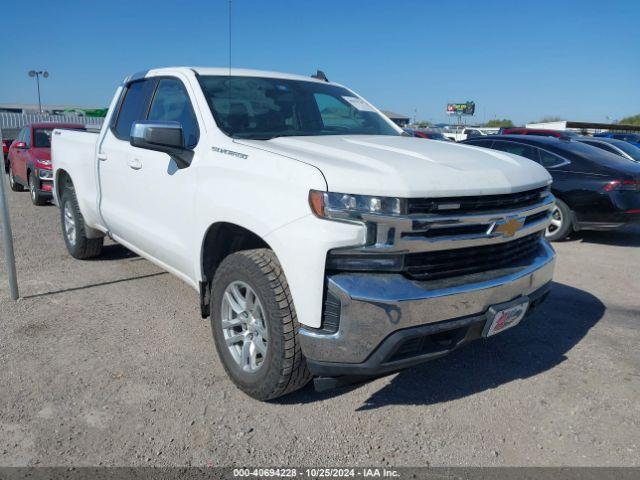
(23,155)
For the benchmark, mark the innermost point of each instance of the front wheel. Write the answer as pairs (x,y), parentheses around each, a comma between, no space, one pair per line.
(561,222)
(73,229)
(255,327)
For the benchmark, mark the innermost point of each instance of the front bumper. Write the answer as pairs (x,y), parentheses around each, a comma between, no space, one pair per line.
(379,313)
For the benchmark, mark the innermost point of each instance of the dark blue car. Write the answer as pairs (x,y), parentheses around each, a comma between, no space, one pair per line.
(633,138)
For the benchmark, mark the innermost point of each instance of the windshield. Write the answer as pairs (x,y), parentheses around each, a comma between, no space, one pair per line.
(629,149)
(42,137)
(262,108)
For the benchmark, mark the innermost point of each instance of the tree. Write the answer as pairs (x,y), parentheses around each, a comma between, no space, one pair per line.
(548,119)
(632,120)
(424,124)
(499,122)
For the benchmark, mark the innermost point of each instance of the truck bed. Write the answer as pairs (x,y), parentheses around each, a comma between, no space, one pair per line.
(74,152)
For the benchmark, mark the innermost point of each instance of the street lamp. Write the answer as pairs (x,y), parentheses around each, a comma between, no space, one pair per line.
(37,73)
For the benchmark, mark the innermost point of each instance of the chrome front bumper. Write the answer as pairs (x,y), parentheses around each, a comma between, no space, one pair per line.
(375,306)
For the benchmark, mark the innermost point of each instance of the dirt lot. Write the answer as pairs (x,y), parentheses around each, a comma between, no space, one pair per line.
(107,362)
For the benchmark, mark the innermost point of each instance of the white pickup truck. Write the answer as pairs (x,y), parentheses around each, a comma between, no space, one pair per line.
(323,241)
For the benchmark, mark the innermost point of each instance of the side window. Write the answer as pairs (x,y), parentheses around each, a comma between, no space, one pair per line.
(133,107)
(550,160)
(521,149)
(171,103)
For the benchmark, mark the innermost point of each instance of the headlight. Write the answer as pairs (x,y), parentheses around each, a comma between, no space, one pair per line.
(345,205)
(45,174)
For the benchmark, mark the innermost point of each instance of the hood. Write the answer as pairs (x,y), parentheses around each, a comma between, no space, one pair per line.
(41,153)
(408,166)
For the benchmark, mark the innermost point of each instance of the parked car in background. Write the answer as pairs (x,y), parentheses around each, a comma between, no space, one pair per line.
(29,160)
(619,147)
(427,133)
(594,189)
(633,138)
(537,131)
(6,142)
(457,133)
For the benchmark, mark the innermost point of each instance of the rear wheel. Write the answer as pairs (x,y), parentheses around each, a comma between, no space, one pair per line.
(37,198)
(561,222)
(73,229)
(255,327)
(15,186)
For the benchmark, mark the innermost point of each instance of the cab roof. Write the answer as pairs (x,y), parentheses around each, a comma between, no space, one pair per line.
(241,72)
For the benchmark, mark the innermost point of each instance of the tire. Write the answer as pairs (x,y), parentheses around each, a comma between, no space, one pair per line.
(78,245)
(37,198)
(283,368)
(15,186)
(561,222)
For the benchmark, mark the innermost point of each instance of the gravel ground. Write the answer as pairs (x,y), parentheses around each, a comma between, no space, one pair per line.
(107,362)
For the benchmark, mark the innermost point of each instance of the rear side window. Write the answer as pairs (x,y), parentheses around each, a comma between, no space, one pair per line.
(550,160)
(171,103)
(603,146)
(521,149)
(133,107)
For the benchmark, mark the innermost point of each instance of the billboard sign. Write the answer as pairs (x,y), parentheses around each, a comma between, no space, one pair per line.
(466,108)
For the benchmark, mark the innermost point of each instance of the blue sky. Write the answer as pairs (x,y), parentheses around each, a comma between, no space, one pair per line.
(521,60)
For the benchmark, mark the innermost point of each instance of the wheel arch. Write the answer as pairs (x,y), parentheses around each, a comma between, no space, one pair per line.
(221,240)
(62,182)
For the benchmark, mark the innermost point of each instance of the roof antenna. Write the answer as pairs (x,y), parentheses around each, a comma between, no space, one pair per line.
(320,76)
(229,37)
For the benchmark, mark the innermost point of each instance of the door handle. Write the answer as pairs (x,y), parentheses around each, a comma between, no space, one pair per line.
(102,156)
(135,163)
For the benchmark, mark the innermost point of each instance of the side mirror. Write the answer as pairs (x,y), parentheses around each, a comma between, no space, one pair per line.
(163,137)
(21,145)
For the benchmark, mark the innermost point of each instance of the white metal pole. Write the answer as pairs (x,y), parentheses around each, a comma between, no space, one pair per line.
(7,236)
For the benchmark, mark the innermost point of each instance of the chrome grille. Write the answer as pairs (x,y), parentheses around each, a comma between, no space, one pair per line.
(476,203)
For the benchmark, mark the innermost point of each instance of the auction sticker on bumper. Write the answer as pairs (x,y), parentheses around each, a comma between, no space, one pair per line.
(503,318)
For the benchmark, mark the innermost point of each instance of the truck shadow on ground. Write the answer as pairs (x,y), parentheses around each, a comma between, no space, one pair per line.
(627,237)
(535,346)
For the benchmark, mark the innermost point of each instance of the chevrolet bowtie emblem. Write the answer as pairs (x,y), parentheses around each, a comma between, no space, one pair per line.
(509,228)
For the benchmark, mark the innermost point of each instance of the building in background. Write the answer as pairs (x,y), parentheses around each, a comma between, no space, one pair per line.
(32,108)
(398,119)
(585,127)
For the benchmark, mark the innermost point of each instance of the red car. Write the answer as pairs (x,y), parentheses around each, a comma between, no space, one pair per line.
(30,160)
(5,153)
(537,131)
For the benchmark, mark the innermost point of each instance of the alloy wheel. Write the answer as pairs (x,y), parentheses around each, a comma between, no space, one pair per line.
(244,326)
(556,221)
(69,224)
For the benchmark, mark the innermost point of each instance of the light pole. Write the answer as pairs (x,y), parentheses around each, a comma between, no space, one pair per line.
(37,73)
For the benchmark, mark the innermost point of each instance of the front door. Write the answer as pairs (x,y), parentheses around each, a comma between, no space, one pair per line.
(147,201)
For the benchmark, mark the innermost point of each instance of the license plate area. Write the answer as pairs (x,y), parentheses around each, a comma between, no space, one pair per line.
(505,316)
